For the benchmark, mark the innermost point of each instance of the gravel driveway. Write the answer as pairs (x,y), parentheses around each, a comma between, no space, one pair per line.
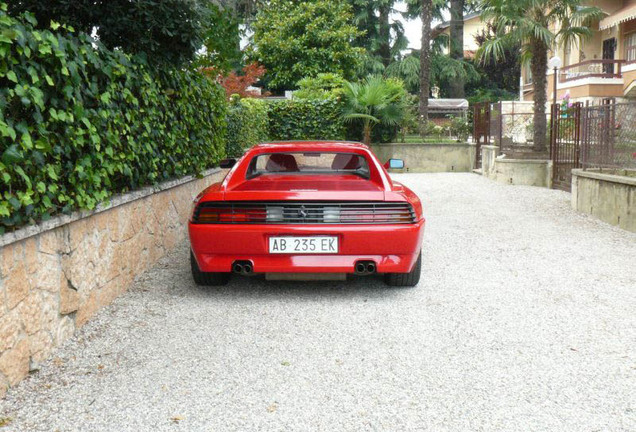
(524,320)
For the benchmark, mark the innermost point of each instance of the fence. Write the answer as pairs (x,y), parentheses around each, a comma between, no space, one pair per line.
(481,129)
(580,136)
(512,126)
(565,143)
(608,136)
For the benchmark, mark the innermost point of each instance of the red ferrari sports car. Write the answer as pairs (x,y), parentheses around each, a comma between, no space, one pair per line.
(306,211)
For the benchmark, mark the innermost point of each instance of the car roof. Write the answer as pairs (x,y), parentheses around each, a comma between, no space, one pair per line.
(304,145)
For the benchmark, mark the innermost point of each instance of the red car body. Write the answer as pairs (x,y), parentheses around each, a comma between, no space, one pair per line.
(377,221)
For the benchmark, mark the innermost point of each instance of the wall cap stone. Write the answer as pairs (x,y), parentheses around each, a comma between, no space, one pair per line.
(522,161)
(465,144)
(631,181)
(490,147)
(115,201)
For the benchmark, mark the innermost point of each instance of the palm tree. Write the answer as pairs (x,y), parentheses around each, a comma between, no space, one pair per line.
(537,26)
(425,63)
(456,44)
(375,100)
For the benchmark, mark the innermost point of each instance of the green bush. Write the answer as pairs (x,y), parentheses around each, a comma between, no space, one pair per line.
(460,128)
(323,86)
(305,120)
(79,123)
(246,125)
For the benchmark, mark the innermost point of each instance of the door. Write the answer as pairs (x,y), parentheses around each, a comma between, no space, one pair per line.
(609,49)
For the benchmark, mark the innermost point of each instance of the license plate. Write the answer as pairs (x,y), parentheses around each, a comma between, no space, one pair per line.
(305,245)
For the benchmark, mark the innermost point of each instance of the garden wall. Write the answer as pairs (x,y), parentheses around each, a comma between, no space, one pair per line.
(423,158)
(55,276)
(608,196)
(528,172)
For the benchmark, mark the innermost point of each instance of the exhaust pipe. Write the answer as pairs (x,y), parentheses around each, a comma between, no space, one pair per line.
(360,268)
(364,268)
(243,267)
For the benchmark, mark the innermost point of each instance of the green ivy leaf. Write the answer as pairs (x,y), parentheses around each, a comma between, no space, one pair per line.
(51,171)
(12,155)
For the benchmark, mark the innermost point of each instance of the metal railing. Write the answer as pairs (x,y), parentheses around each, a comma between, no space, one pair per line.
(608,136)
(592,69)
(630,54)
(512,126)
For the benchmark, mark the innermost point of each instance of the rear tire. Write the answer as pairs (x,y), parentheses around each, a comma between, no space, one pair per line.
(409,279)
(207,278)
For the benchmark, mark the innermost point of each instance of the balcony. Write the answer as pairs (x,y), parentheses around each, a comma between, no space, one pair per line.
(599,69)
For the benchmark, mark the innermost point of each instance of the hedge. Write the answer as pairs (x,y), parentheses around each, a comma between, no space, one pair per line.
(246,125)
(306,120)
(79,123)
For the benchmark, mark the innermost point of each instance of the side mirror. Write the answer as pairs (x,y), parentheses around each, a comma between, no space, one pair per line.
(227,163)
(394,164)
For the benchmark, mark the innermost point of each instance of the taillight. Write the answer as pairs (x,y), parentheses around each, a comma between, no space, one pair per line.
(228,213)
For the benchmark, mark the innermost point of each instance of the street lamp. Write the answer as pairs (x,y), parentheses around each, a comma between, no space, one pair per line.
(555,63)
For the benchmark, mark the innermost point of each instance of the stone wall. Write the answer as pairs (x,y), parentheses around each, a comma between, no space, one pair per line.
(424,158)
(608,196)
(55,276)
(528,172)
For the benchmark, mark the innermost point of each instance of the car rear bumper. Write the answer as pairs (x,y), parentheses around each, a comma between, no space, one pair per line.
(393,248)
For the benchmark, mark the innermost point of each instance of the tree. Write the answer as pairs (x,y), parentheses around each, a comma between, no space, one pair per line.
(297,39)
(166,31)
(383,39)
(532,24)
(498,79)
(235,84)
(456,70)
(374,101)
(425,63)
(221,40)
(408,70)
(456,44)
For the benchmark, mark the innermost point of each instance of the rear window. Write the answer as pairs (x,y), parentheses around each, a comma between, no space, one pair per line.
(308,163)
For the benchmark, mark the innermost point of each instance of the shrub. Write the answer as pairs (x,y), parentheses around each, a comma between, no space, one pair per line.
(170,31)
(372,102)
(305,120)
(433,129)
(459,128)
(323,86)
(79,123)
(246,125)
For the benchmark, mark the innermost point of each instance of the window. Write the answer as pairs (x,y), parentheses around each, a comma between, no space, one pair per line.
(630,47)
(308,163)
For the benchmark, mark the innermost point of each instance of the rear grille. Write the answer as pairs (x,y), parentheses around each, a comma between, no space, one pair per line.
(285,212)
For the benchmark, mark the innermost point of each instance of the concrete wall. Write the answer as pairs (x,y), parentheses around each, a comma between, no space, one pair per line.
(608,197)
(523,172)
(55,276)
(488,156)
(515,171)
(423,158)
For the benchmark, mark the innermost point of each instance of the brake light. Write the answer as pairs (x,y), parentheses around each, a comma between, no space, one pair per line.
(229,214)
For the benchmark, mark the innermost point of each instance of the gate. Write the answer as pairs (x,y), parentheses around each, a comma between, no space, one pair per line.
(565,144)
(481,129)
